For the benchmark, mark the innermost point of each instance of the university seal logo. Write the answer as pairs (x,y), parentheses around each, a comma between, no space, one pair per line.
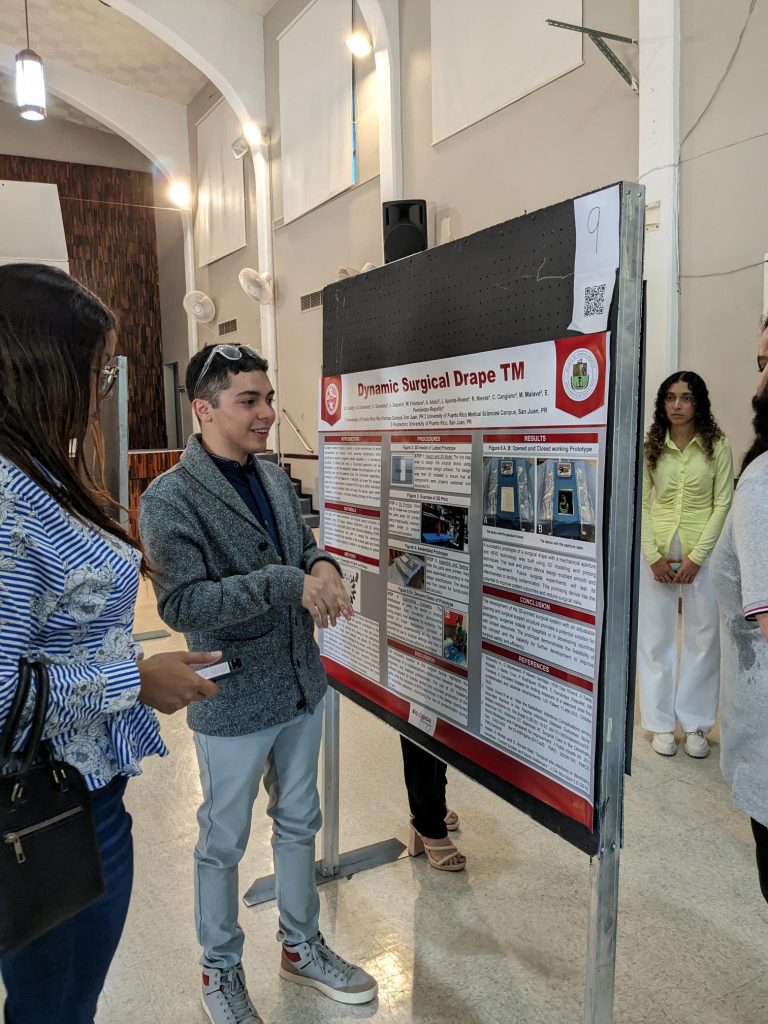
(580,374)
(331,400)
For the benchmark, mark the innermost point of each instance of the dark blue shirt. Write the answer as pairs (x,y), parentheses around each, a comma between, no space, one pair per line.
(245,480)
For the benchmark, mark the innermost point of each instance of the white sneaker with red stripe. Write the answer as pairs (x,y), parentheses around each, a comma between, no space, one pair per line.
(313,963)
(225,997)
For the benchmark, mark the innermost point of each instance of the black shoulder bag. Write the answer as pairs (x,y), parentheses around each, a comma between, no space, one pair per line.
(49,856)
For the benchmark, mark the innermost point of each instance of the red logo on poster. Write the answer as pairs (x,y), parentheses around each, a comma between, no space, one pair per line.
(580,374)
(331,400)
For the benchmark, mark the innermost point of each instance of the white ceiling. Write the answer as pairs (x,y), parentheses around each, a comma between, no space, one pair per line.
(257,6)
(93,37)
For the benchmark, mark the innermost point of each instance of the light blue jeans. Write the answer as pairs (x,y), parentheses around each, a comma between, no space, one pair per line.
(230,768)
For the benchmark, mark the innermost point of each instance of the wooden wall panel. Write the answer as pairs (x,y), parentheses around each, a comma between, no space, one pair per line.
(143,468)
(109,225)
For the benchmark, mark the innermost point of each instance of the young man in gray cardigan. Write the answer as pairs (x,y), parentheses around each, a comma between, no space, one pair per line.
(238,570)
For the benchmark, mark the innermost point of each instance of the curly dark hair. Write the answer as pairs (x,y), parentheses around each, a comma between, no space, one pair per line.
(704,421)
(760,424)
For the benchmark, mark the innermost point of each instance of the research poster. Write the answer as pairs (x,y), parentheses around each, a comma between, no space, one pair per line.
(463,498)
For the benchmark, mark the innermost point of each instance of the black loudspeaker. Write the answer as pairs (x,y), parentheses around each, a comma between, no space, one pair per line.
(405,228)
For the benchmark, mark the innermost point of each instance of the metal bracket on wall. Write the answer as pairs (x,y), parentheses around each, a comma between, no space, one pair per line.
(598,38)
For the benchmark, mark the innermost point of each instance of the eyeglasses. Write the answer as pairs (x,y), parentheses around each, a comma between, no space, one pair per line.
(107,377)
(686,399)
(231,352)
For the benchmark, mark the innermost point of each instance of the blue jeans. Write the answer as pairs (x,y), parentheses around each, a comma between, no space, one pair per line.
(57,979)
(230,769)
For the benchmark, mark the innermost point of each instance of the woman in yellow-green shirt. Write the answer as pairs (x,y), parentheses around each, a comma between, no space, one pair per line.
(687,491)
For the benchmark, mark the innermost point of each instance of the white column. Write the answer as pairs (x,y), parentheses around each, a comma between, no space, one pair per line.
(264,215)
(382,19)
(659,72)
(188,231)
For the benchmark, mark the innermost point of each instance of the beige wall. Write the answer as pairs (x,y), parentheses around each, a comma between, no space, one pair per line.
(219,279)
(346,231)
(170,266)
(724,203)
(56,139)
(573,135)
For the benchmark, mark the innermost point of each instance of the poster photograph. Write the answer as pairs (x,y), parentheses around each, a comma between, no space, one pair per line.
(467,495)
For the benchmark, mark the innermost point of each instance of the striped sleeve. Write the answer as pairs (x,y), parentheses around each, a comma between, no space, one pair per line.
(750,529)
(33,554)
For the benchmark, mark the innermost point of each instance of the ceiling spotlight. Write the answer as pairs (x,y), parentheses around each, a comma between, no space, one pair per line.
(30,80)
(359,43)
(180,194)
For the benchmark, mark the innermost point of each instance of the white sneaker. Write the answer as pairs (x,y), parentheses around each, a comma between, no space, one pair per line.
(225,997)
(696,744)
(664,743)
(313,963)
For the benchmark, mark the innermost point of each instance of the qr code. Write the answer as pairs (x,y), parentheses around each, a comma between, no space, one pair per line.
(594,300)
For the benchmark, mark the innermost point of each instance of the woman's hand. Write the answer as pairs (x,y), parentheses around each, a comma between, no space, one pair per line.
(687,571)
(662,570)
(168,683)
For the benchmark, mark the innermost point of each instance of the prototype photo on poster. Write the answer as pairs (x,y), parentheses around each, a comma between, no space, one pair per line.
(565,505)
(445,526)
(402,471)
(406,569)
(508,493)
(455,634)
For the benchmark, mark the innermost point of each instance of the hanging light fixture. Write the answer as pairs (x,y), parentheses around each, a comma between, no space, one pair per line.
(30,81)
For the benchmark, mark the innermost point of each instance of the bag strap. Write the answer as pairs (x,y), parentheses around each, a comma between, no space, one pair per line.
(32,746)
(8,734)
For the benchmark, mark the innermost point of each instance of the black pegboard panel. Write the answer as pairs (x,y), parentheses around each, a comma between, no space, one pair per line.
(507,285)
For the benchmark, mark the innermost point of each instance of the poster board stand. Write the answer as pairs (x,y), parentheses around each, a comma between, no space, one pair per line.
(333,864)
(619,630)
(483,298)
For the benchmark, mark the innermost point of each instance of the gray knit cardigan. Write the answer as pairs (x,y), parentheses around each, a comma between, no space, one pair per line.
(220,582)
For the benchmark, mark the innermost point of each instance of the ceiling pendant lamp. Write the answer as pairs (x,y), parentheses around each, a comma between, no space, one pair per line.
(30,81)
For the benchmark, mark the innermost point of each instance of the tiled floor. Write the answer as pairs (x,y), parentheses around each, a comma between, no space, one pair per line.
(503,942)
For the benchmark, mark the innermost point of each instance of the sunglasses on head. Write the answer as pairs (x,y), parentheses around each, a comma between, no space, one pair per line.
(231,352)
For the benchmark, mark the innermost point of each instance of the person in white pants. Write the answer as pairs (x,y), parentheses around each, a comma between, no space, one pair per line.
(687,491)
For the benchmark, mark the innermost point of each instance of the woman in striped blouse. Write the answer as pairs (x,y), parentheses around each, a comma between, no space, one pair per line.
(68,581)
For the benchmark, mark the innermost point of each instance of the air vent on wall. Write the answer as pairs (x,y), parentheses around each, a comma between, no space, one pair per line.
(311,301)
(228,327)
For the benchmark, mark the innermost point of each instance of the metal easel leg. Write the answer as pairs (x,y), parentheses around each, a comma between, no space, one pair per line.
(333,865)
(620,598)
(601,939)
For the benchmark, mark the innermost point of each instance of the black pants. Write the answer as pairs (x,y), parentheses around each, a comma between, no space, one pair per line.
(425,781)
(760,832)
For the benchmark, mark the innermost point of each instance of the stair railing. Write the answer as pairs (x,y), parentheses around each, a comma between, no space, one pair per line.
(292,424)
